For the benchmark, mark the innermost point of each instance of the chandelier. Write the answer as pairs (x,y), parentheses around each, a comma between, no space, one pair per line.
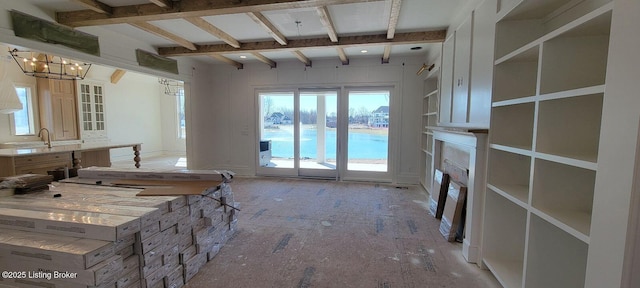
(43,65)
(171,87)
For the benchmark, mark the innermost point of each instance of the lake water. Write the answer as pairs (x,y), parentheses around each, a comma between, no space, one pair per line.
(361,145)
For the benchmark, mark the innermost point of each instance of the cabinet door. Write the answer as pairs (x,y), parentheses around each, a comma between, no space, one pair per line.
(446,82)
(69,117)
(484,27)
(461,72)
(92,111)
(63,111)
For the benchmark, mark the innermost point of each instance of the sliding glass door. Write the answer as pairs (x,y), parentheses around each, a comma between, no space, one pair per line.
(367,134)
(298,133)
(301,132)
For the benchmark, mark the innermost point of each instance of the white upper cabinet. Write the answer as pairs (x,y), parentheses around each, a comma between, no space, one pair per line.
(461,72)
(446,82)
(467,70)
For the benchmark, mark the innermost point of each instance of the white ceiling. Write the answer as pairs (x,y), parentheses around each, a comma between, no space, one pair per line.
(368,18)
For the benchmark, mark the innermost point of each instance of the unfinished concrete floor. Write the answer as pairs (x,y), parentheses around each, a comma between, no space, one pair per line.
(315,233)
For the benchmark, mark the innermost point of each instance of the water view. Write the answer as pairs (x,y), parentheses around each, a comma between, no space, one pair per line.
(363,143)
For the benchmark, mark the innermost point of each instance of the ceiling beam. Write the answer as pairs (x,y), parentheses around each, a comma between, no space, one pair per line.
(165,34)
(267,25)
(297,44)
(264,59)
(228,61)
(186,8)
(117,75)
(95,6)
(325,18)
(342,55)
(393,18)
(213,30)
(162,3)
(302,58)
(386,55)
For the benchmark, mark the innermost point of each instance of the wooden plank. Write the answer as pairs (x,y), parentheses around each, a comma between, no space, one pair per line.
(186,8)
(213,30)
(228,61)
(117,75)
(343,56)
(168,188)
(268,26)
(264,59)
(297,44)
(439,192)
(325,18)
(162,3)
(387,54)
(96,6)
(165,34)
(393,18)
(302,58)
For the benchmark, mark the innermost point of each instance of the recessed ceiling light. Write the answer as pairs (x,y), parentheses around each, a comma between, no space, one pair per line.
(243,57)
(363,51)
(416,48)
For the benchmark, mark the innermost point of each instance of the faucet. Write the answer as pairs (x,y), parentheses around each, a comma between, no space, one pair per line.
(48,136)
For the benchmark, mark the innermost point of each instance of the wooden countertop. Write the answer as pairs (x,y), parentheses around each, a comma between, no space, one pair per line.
(15,152)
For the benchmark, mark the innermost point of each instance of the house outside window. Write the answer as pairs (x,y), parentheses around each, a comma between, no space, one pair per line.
(380,117)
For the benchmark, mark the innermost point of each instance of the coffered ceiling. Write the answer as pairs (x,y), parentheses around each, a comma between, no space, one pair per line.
(242,31)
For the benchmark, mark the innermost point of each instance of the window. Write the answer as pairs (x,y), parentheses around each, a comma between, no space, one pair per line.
(23,119)
(182,131)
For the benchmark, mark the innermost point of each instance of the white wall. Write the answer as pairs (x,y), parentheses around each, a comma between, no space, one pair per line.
(225,118)
(138,111)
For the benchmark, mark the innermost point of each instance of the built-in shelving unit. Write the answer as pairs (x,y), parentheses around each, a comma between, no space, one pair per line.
(549,82)
(429,121)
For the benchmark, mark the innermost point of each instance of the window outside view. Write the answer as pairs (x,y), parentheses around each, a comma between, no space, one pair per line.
(23,119)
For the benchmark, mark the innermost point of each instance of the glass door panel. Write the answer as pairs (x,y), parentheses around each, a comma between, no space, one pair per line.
(277,133)
(368,131)
(318,125)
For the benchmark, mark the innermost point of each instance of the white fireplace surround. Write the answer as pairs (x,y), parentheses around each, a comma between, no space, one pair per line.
(476,145)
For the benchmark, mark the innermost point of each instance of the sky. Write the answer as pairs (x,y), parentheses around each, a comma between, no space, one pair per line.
(370,100)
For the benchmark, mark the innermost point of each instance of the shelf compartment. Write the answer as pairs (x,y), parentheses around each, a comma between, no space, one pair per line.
(433,103)
(510,173)
(576,58)
(513,125)
(554,257)
(564,193)
(432,120)
(526,21)
(570,127)
(516,77)
(504,239)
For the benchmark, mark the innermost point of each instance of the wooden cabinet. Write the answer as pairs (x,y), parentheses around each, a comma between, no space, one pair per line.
(548,92)
(40,164)
(58,108)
